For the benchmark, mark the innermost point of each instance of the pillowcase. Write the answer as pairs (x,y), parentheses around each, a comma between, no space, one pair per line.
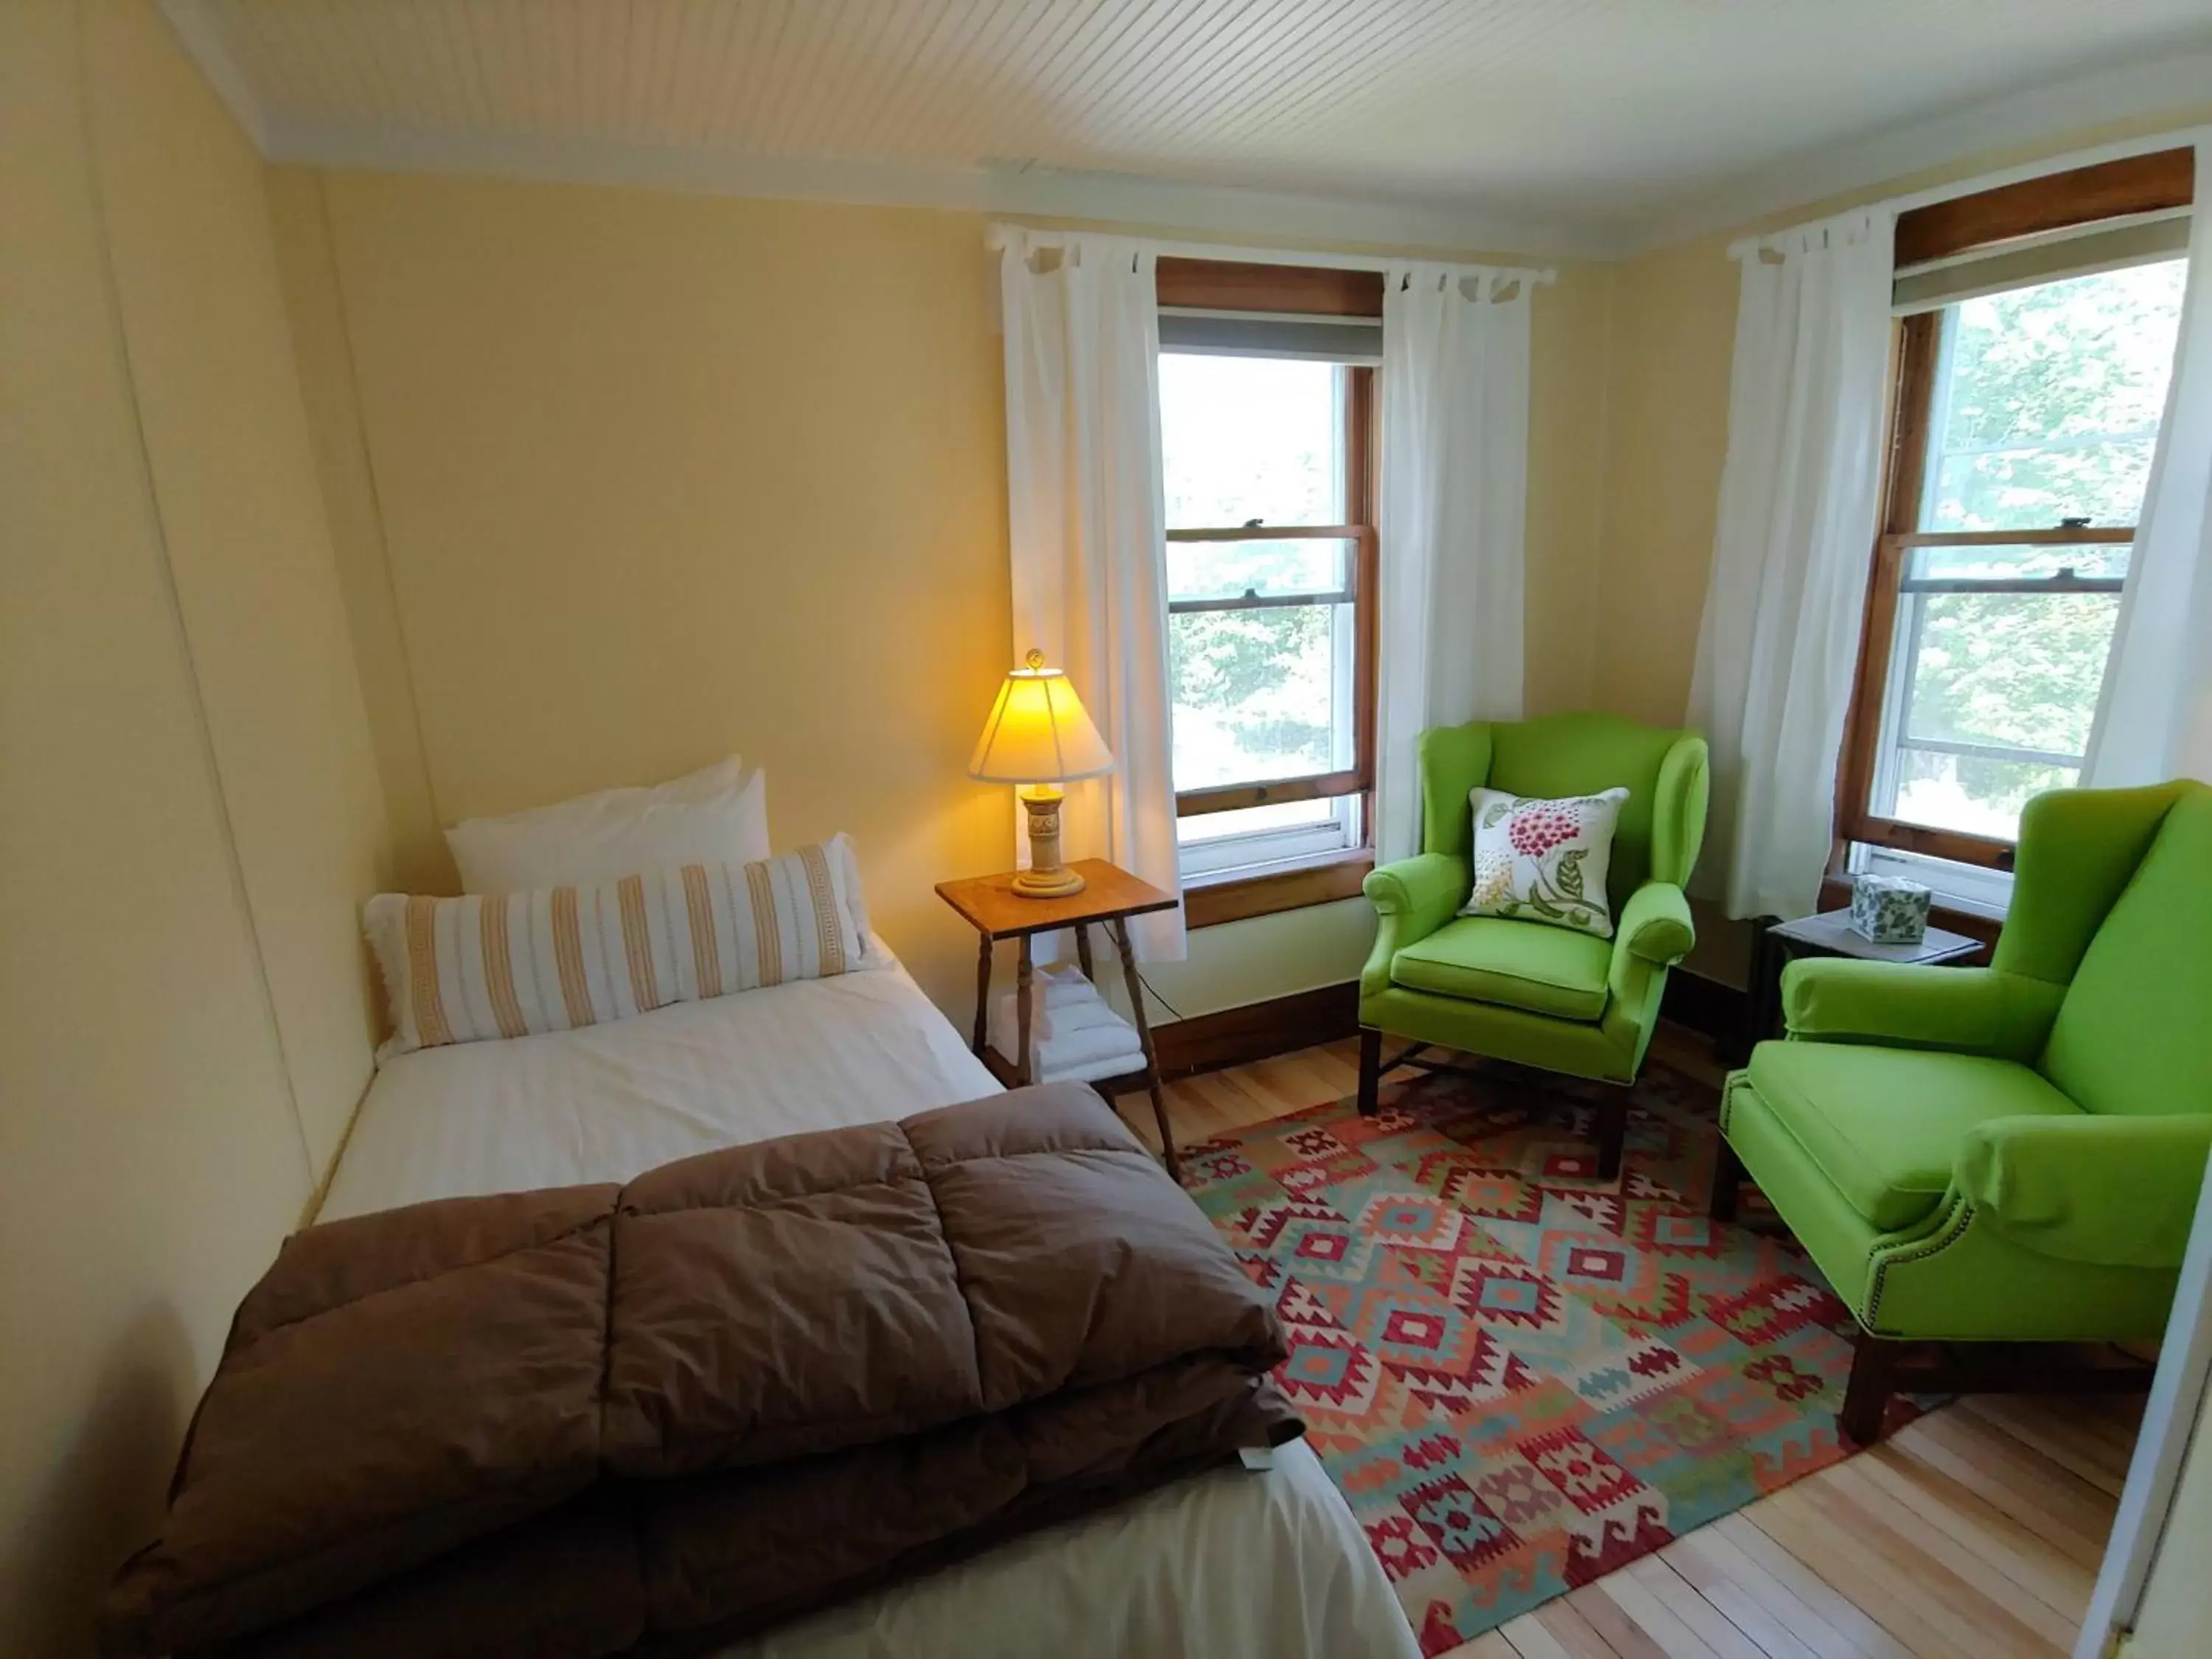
(1544,860)
(511,964)
(718,815)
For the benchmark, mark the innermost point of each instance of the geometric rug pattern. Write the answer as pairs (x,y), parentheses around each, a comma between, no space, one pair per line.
(1520,1376)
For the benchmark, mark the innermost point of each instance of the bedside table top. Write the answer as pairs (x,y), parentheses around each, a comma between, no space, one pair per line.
(1831,931)
(990,905)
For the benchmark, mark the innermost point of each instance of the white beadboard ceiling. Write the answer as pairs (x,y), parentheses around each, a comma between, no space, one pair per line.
(1562,125)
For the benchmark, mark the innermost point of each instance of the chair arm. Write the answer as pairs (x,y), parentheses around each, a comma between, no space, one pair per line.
(1978,1011)
(1655,924)
(2120,1192)
(1412,897)
(1653,927)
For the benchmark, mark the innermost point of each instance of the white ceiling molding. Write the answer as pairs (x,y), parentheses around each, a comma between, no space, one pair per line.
(1223,211)
(562,159)
(2179,85)
(1033,192)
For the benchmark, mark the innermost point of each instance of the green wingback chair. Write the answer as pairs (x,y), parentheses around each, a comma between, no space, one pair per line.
(2010,1152)
(1525,991)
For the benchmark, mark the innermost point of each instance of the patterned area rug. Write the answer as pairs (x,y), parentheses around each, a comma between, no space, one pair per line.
(1520,1376)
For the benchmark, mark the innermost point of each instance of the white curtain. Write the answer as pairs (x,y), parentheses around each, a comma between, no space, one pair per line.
(1087,521)
(1454,501)
(1778,647)
(2155,722)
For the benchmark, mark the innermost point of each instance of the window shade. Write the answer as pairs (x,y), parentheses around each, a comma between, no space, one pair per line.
(1272,334)
(2076,253)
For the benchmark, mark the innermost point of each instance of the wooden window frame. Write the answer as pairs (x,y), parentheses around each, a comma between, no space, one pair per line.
(1964,224)
(1222,285)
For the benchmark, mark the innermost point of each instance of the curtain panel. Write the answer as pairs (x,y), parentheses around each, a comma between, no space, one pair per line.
(1454,508)
(1087,522)
(2155,721)
(1778,645)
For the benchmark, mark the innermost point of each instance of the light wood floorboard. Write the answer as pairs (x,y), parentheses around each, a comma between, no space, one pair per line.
(1974,1532)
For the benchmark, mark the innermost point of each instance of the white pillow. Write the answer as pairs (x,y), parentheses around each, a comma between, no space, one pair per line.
(1544,860)
(716,815)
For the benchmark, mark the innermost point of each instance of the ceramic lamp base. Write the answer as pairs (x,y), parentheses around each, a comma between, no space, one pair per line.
(1047,884)
(1047,877)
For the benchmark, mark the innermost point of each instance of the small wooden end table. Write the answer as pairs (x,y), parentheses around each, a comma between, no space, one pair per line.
(1828,934)
(1110,897)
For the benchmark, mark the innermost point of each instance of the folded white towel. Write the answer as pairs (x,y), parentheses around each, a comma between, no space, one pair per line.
(1097,1042)
(1061,1000)
(1062,986)
(1082,1037)
(1092,1071)
(1066,983)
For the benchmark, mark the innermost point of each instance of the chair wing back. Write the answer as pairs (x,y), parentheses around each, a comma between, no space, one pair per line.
(2134,1036)
(1664,772)
(2078,849)
(1455,760)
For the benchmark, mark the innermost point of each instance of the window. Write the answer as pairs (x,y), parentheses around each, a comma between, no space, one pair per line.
(2026,409)
(2046,402)
(1271,572)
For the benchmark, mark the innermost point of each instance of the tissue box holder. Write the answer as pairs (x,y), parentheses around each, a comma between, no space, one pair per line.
(1887,910)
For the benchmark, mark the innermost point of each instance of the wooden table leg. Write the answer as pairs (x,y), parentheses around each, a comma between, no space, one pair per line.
(1083,951)
(1734,1048)
(983,998)
(1022,977)
(1611,1128)
(1727,1182)
(1118,929)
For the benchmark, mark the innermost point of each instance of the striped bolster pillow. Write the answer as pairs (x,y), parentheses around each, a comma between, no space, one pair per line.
(511,964)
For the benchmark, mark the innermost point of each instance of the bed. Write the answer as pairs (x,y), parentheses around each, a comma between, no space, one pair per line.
(1267,1564)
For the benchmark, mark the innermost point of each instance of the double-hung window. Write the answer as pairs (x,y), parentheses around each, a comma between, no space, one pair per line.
(2030,377)
(1266,422)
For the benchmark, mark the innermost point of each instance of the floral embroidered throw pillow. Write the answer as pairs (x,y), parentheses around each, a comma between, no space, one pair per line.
(1544,860)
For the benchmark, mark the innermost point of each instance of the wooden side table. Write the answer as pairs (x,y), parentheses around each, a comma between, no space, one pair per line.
(1110,897)
(1828,934)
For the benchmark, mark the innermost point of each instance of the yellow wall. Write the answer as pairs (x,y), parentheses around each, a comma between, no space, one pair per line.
(242,520)
(665,477)
(418,861)
(652,476)
(189,819)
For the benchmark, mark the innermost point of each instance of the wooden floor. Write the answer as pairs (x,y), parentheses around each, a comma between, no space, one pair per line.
(1974,1532)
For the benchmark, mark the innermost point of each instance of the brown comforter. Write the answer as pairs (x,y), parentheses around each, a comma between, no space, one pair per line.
(604,1418)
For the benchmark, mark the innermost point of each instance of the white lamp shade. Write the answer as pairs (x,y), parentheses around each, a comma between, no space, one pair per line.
(1038,732)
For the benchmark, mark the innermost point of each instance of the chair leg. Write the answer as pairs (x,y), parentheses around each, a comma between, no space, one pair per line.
(1370,1069)
(1612,1131)
(1727,1182)
(1866,1396)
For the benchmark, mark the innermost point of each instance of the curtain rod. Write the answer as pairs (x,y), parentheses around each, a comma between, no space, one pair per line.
(1281,256)
(2118,150)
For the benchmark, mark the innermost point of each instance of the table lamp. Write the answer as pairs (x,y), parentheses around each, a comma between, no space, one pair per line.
(1038,737)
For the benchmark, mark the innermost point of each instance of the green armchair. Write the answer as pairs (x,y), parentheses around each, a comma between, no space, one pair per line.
(2009,1153)
(1523,991)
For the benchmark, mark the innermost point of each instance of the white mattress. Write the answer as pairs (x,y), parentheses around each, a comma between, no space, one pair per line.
(1268,1566)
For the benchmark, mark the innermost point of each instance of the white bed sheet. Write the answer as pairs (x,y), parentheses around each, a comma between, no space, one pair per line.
(1233,1564)
(611,1101)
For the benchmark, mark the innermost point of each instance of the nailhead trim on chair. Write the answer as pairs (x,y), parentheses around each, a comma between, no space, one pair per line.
(1954,1228)
(1728,1098)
